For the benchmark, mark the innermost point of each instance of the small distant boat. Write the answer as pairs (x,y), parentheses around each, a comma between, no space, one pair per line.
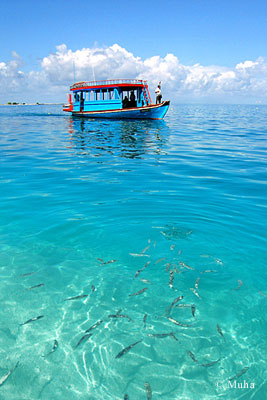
(119,98)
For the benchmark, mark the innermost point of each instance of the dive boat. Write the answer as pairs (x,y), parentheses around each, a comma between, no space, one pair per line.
(119,98)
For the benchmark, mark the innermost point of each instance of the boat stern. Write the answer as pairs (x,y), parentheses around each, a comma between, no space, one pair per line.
(69,106)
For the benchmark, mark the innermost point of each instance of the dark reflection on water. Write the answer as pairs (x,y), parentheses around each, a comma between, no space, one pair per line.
(124,138)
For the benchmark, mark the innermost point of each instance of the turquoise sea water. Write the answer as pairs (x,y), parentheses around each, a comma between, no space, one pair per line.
(84,205)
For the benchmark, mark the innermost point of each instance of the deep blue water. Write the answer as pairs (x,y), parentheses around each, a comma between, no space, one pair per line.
(84,205)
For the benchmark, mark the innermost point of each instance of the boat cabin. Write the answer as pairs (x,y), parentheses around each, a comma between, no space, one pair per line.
(108,95)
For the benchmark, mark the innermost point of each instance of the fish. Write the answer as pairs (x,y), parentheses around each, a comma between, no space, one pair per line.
(168,267)
(4,378)
(172,246)
(210,363)
(139,292)
(109,262)
(106,262)
(174,337)
(85,337)
(144,320)
(142,269)
(144,280)
(139,255)
(128,348)
(93,288)
(126,397)
(76,297)
(36,286)
(242,372)
(176,300)
(158,335)
(145,249)
(137,273)
(183,305)
(148,391)
(240,283)
(55,346)
(94,326)
(115,315)
(171,279)
(196,293)
(193,309)
(186,266)
(196,283)
(160,260)
(44,386)
(264,295)
(178,323)
(192,356)
(163,335)
(219,330)
(27,274)
(118,315)
(173,303)
(32,319)
(146,265)
(207,271)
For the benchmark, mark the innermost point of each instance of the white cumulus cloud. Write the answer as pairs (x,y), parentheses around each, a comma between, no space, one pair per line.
(242,83)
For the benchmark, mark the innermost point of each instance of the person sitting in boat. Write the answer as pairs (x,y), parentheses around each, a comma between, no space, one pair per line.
(159,95)
(125,102)
(82,103)
(132,99)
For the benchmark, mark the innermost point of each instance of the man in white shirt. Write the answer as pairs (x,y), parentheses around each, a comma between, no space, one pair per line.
(159,95)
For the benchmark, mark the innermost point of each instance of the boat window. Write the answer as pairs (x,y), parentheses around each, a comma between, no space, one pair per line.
(129,98)
(104,94)
(116,94)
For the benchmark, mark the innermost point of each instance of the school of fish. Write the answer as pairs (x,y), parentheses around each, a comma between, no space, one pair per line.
(172,313)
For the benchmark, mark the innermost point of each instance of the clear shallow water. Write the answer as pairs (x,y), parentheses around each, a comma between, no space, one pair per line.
(189,195)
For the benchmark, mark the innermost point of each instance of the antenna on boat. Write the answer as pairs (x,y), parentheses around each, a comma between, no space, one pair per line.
(74,78)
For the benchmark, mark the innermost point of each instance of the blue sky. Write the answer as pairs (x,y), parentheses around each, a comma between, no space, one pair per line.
(202,32)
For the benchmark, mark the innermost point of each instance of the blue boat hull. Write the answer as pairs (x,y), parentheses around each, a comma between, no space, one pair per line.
(154,111)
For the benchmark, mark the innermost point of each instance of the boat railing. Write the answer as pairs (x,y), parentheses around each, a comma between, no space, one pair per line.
(107,82)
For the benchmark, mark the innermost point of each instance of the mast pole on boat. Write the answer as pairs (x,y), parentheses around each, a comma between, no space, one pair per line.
(74,78)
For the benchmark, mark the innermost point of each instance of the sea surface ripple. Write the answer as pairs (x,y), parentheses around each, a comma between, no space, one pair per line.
(103,225)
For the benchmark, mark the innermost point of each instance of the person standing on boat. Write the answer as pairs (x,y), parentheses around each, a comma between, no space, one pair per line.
(159,95)
(132,99)
(125,102)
